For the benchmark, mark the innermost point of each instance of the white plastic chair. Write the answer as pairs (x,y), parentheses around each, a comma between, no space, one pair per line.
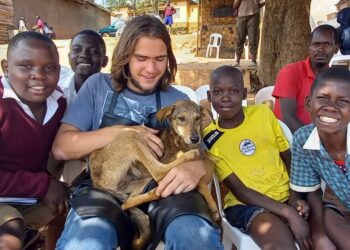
(287,133)
(201,92)
(230,234)
(264,94)
(339,58)
(246,51)
(188,91)
(215,40)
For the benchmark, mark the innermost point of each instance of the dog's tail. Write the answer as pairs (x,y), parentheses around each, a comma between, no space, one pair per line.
(142,223)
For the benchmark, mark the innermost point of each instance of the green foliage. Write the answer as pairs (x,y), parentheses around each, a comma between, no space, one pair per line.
(115,4)
(141,6)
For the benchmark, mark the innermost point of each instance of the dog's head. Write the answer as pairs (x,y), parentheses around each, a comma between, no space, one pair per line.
(186,119)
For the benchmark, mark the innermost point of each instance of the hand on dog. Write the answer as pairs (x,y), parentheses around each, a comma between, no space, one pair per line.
(181,179)
(56,196)
(153,141)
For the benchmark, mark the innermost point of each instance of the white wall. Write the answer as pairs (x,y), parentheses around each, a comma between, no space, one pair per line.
(321,8)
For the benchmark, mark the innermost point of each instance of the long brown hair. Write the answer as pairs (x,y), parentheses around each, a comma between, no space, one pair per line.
(138,27)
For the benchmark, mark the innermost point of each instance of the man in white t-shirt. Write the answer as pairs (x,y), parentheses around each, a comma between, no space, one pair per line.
(87,56)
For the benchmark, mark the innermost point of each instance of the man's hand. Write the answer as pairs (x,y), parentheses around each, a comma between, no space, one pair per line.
(56,197)
(181,179)
(300,229)
(153,141)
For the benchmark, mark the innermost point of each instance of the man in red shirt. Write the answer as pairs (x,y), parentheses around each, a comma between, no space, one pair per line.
(169,11)
(39,25)
(294,80)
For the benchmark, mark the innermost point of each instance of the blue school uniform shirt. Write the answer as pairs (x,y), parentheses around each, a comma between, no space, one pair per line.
(311,163)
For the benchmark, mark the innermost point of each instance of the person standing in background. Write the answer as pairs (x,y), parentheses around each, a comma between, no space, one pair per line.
(248,21)
(39,25)
(169,11)
(22,24)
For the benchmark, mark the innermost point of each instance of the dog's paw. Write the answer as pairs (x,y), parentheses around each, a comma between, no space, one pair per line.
(192,154)
(127,205)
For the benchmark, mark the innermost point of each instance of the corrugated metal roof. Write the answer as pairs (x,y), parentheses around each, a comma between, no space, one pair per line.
(6,19)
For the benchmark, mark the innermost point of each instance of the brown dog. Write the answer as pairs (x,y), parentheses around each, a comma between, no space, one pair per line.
(127,164)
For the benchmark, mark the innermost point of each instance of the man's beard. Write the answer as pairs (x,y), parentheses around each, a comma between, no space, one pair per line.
(320,64)
(138,85)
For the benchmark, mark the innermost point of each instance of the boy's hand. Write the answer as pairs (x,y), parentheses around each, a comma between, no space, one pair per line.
(303,208)
(300,230)
(56,197)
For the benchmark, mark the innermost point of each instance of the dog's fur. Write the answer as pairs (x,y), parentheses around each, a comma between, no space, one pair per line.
(127,164)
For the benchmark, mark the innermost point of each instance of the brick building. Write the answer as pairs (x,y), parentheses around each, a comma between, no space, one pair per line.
(67,17)
(216,16)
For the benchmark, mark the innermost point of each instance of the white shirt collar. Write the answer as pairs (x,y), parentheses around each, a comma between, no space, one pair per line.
(51,101)
(67,84)
(314,141)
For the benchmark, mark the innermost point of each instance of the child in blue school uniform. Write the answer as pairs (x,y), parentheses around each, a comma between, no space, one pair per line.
(321,151)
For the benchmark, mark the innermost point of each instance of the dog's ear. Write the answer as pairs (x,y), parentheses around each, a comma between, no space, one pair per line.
(206,117)
(165,113)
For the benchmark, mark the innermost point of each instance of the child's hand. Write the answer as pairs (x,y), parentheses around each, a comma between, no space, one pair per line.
(303,208)
(56,197)
(300,229)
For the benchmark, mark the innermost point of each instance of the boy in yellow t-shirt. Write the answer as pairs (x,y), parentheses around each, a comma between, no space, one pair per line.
(253,160)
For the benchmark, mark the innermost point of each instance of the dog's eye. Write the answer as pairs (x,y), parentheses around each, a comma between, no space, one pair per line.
(181,118)
(197,118)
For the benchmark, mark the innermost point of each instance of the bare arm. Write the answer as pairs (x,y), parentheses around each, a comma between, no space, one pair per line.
(297,224)
(286,158)
(289,114)
(319,236)
(185,177)
(71,143)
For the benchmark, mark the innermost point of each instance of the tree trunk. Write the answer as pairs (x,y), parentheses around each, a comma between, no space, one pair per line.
(285,36)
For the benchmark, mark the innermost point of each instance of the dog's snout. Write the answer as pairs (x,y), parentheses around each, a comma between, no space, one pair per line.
(194,138)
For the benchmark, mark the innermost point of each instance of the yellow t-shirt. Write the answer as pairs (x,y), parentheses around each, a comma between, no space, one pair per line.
(251,151)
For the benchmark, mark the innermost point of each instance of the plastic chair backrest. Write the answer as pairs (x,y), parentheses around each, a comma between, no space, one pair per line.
(264,94)
(215,39)
(287,133)
(188,91)
(201,92)
(339,58)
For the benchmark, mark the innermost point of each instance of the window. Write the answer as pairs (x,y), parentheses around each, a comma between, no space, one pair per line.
(177,14)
